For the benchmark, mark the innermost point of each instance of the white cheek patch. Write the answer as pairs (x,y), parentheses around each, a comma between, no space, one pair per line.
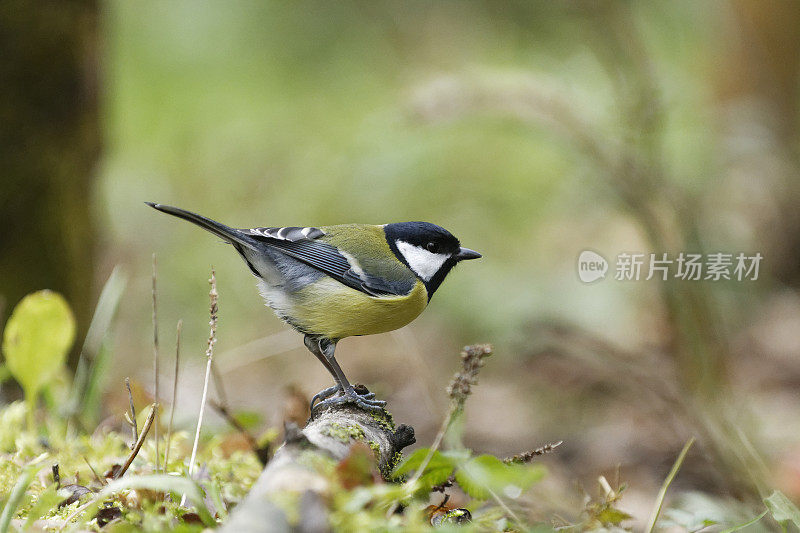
(426,264)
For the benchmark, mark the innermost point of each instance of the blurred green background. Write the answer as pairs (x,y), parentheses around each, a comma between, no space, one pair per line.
(531,129)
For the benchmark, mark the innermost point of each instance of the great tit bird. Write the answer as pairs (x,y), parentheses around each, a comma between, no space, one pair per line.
(333,282)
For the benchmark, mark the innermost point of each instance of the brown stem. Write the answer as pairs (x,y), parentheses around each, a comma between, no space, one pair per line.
(139,442)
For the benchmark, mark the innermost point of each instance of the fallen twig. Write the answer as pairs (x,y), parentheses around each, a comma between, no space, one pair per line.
(219,386)
(527,457)
(139,442)
(132,419)
(94,472)
(262,453)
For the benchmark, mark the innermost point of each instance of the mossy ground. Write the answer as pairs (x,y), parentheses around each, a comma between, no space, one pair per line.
(358,499)
(226,472)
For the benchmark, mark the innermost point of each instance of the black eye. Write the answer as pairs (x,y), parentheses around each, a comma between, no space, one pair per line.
(432,247)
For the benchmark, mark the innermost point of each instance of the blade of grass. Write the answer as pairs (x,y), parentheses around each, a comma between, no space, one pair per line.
(86,386)
(155,358)
(164,483)
(174,391)
(746,524)
(212,339)
(95,385)
(15,498)
(651,523)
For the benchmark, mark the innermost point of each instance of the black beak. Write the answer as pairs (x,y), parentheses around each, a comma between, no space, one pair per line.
(466,253)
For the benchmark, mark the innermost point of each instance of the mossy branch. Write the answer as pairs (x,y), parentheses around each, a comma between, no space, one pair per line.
(299,466)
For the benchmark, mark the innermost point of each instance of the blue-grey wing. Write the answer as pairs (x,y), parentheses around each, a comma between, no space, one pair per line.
(303,245)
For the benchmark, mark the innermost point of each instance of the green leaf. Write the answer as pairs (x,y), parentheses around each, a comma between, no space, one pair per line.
(457,456)
(435,476)
(611,515)
(413,461)
(37,338)
(486,473)
(438,470)
(782,509)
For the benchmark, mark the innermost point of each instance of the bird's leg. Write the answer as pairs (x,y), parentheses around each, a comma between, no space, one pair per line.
(313,345)
(348,394)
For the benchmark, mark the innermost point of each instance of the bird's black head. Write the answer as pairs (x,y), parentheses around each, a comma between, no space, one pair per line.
(430,251)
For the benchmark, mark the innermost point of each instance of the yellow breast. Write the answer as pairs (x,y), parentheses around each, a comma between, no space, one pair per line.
(329,308)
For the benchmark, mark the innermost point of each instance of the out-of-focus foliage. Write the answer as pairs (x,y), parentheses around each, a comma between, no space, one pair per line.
(477,476)
(782,509)
(533,130)
(280,114)
(92,371)
(26,462)
(36,340)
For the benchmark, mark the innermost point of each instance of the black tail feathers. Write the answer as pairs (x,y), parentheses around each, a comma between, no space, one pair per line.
(222,231)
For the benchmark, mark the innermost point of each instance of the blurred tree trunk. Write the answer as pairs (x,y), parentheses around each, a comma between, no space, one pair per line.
(49,145)
(763,66)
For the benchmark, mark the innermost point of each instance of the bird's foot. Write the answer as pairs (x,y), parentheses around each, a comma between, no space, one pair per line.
(322,395)
(364,400)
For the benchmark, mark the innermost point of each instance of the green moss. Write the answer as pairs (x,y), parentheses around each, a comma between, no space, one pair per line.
(315,461)
(386,469)
(394,461)
(9,472)
(344,433)
(376,449)
(384,420)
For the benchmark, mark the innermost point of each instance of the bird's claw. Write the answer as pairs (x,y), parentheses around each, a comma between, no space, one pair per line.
(322,395)
(364,401)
